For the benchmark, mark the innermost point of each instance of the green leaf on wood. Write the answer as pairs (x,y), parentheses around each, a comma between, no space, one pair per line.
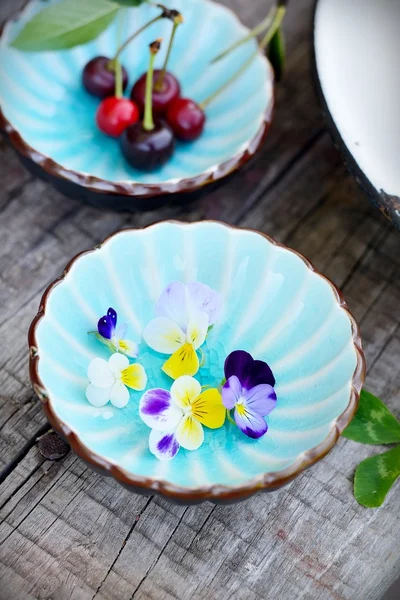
(373,422)
(276,53)
(375,476)
(66,24)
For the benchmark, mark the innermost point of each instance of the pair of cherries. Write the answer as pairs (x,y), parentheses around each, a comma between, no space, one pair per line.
(174,116)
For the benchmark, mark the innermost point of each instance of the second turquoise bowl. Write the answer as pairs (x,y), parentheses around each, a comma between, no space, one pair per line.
(50,119)
(275,306)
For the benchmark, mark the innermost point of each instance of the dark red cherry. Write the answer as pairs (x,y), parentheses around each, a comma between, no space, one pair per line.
(99,78)
(186,119)
(147,150)
(161,97)
(114,115)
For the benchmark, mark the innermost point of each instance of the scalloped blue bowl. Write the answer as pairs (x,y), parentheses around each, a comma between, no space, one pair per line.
(277,307)
(49,117)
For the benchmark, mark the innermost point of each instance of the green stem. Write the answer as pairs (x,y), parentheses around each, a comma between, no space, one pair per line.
(228,414)
(134,35)
(148,121)
(119,91)
(252,34)
(160,80)
(228,83)
(202,358)
(276,23)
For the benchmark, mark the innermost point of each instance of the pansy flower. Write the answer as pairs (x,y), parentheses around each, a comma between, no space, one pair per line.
(113,337)
(184,315)
(110,380)
(249,390)
(177,417)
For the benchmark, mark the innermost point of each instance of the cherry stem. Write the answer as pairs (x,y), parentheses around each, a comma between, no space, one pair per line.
(275,25)
(160,80)
(252,34)
(148,121)
(134,35)
(119,88)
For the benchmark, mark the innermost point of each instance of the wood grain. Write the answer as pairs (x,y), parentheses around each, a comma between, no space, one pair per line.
(68,533)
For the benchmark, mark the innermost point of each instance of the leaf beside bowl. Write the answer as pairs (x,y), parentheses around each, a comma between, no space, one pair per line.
(375,424)
(68,23)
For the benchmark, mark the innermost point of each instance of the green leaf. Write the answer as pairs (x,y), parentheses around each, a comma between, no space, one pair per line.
(276,53)
(130,2)
(66,24)
(373,422)
(375,476)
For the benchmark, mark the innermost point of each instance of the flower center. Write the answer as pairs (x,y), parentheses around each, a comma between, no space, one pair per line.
(188,411)
(241,407)
(123,345)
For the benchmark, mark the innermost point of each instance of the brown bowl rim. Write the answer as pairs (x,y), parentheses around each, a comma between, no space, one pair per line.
(140,190)
(214,492)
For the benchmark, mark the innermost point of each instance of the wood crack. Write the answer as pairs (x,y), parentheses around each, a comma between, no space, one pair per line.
(122,546)
(22,453)
(159,555)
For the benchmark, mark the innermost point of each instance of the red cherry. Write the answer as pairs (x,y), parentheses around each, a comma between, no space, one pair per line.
(186,119)
(99,79)
(114,115)
(161,98)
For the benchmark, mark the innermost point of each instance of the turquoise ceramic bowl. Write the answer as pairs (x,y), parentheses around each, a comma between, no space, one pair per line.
(49,117)
(275,306)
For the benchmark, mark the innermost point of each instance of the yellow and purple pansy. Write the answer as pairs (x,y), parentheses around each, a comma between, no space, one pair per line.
(110,380)
(113,337)
(184,314)
(177,416)
(249,390)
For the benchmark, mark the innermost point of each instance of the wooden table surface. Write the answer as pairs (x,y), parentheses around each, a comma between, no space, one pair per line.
(69,533)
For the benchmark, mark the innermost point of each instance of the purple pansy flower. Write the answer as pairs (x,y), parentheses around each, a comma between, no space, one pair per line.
(113,337)
(249,390)
(177,416)
(108,324)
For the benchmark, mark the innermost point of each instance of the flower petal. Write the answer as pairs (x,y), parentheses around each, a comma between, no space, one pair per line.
(128,347)
(197,329)
(183,362)
(172,304)
(257,373)
(97,396)
(231,392)
(209,410)
(158,411)
(185,390)
(119,395)
(249,422)
(100,374)
(134,377)
(261,399)
(118,362)
(205,299)
(237,364)
(121,331)
(163,445)
(106,325)
(163,335)
(189,433)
